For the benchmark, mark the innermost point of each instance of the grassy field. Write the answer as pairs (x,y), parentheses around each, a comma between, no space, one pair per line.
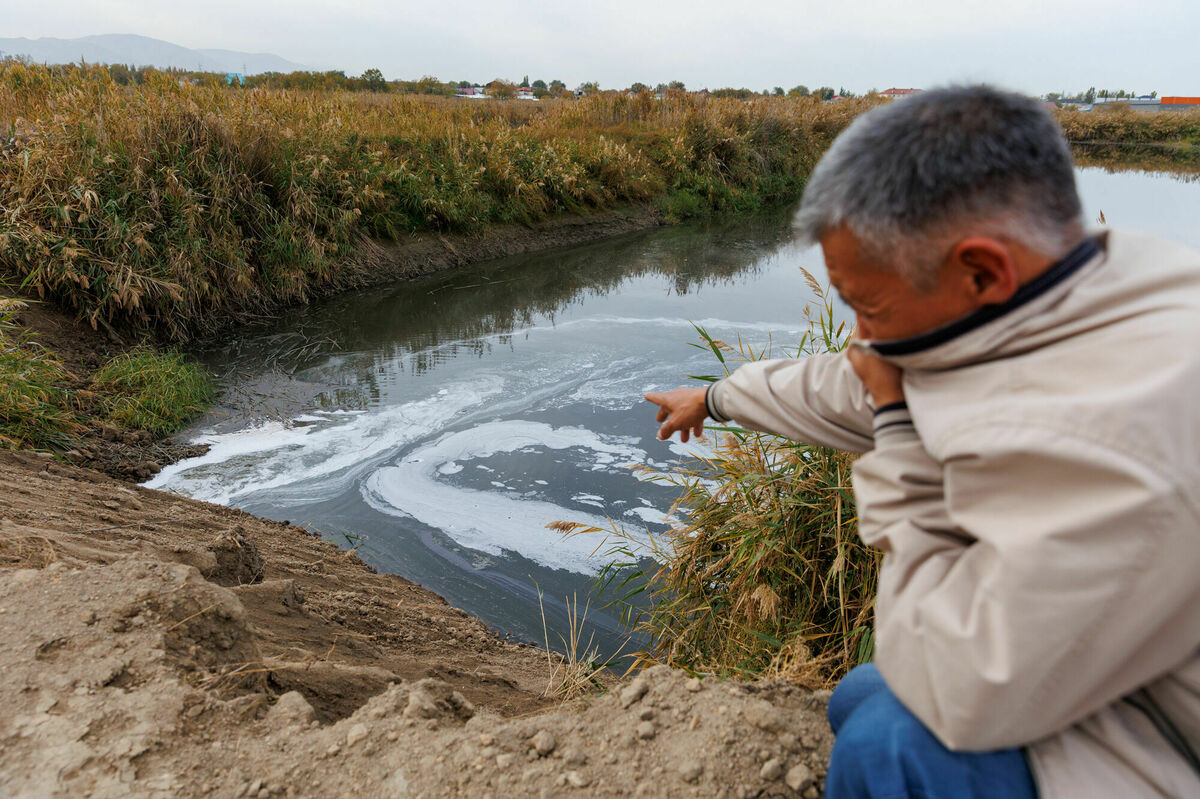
(165,208)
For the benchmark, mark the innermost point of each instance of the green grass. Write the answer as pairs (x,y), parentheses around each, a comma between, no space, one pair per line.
(35,410)
(154,391)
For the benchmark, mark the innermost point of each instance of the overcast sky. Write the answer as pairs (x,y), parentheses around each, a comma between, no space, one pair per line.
(1030,45)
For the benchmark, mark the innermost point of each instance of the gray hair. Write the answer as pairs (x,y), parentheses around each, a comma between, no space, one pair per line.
(907,176)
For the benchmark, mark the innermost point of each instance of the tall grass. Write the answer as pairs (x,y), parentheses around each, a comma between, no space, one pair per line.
(168,207)
(763,573)
(1125,125)
(43,407)
(154,391)
(35,407)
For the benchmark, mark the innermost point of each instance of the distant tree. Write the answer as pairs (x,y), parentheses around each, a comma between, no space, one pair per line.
(464,84)
(639,87)
(1090,95)
(798,91)
(431,85)
(501,89)
(778,91)
(1154,93)
(590,87)
(538,84)
(374,81)
(825,92)
(540,93)
(740,94)
(677,85)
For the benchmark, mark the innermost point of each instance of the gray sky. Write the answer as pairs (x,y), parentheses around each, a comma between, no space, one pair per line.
(1030,45)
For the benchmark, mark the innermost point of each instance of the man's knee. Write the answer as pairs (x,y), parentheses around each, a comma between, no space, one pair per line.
(881,727)
(856,687)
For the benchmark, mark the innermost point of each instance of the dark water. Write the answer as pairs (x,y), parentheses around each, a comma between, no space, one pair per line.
(439,425)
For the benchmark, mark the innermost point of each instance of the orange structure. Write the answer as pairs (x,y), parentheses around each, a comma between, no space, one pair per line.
(1180,101)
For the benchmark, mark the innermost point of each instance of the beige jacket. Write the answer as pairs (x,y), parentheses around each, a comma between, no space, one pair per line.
(1039,516)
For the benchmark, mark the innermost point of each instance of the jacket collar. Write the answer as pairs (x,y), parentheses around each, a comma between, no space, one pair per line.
(973,336)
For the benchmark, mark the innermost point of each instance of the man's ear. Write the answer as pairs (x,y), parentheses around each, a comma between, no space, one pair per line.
(988,269)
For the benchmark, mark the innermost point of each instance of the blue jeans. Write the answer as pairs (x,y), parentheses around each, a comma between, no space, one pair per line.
(883,751)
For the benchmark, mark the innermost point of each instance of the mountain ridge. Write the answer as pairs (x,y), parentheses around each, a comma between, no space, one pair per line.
(137,50)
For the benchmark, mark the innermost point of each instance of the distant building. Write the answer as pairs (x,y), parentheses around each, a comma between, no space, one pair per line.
(892,94)
(525,93)
(1180,101)
(472,92)
(235,77)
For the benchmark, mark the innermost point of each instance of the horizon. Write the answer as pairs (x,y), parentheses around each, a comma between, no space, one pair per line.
(1036,48)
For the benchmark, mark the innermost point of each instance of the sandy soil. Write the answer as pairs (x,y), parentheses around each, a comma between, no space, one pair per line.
(159,646)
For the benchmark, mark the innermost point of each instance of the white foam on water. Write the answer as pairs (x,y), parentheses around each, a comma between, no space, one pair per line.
(650,515)
(488,521)
(315,461)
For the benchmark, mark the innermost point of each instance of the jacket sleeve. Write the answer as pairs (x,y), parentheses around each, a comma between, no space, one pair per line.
(1026,585)
(818,400)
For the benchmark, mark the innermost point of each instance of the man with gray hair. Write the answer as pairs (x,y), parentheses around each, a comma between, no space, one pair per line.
(1024,396)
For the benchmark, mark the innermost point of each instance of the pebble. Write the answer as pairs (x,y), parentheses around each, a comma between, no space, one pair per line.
(646,714)
(486,739)
(691,770)
(646,730)
(764,715)
(544,743)
(799,778)
(505,760)
(771,770)
(634,691)
(578,780)
(356,734)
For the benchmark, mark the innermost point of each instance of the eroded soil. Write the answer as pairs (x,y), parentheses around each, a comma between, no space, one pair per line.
(159,646)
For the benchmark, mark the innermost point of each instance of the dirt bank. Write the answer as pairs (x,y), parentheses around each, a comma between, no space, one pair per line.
(425,253)
(159,646)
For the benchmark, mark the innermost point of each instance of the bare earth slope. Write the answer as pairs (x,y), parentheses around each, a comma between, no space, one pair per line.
(159,646)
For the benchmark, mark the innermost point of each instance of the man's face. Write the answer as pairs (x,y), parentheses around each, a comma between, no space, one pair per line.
(886,305)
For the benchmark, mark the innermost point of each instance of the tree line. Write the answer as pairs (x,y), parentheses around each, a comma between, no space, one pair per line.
(373,80)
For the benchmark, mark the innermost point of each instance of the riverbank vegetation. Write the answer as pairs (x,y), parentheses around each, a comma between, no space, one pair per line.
(47,404)
(172,208)
(1120,137)
(762,571)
